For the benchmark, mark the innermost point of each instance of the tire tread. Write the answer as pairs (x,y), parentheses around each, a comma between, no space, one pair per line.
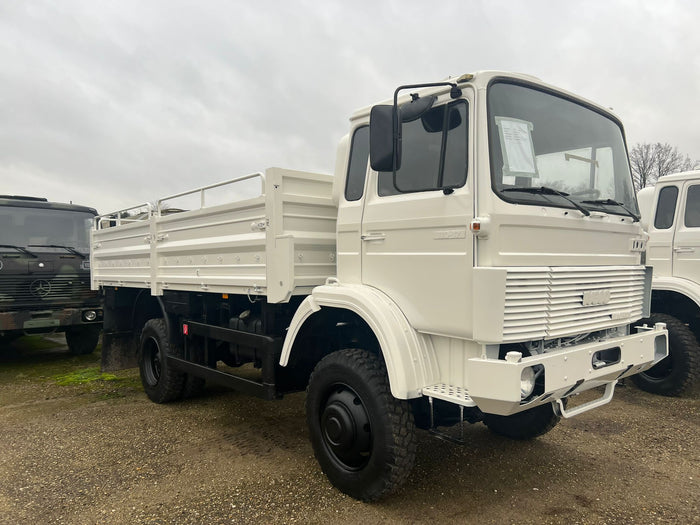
(171,383)
(398,412)
(686,359)
(525,425)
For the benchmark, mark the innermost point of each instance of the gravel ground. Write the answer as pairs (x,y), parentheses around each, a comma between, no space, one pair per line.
(100,452)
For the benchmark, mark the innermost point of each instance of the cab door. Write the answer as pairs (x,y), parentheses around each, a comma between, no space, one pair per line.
(686,241)
(416,247)
(662,231)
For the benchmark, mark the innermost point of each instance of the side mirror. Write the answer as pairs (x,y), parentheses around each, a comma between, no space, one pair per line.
(645,201)
(416,108)
(382,154)
(384,147)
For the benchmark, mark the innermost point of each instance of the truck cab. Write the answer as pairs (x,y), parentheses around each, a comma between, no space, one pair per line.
(45,272)
(498,214)
(671,216)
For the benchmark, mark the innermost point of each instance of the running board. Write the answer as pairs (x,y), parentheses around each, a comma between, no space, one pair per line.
(452,394)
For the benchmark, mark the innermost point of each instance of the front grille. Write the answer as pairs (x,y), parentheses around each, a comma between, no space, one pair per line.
(545,303)
(17,292)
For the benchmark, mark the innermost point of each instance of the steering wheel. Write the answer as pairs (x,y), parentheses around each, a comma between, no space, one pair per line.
(594,193)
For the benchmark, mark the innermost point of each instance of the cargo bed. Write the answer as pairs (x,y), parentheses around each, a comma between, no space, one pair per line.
(277,244)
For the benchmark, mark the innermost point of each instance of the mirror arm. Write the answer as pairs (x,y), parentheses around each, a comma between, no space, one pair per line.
(455,92)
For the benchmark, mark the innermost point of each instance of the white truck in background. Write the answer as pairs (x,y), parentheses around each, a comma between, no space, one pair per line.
(671,216)
(476,257)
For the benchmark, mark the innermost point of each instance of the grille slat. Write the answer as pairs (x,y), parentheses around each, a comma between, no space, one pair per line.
(550,304)
(44,291)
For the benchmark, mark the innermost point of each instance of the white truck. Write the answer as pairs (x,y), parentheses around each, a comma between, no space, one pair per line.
(671,216)
(476,257)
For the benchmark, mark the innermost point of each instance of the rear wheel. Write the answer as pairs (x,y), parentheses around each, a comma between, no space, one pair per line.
(524,425)
(160,381)
(362,436)
(82,340)
(680,370)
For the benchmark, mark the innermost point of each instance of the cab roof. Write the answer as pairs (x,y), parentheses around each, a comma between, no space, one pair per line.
(481,79)
(679,177)
(23,201)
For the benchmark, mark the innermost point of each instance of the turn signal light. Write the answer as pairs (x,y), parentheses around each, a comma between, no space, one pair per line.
(479,226)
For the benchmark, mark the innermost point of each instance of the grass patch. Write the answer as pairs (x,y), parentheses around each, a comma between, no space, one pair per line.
(36,358)
(80,377)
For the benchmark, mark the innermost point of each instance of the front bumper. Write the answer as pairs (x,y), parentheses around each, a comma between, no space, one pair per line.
(494,384)
(48,320)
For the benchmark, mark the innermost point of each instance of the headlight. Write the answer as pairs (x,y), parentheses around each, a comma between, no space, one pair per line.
(527,382)
(89,315)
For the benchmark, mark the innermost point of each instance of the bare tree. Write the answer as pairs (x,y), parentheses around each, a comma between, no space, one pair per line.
(650,162)
(642,165)
(669,160)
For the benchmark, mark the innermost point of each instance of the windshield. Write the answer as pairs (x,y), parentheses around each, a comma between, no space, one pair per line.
(25,227)
(546,149)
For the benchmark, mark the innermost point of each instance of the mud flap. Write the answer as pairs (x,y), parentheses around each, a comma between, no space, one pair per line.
(119,351)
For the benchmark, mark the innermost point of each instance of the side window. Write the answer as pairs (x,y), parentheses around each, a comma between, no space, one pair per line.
(357,166)
(692,207)
(433,150)
(666,208)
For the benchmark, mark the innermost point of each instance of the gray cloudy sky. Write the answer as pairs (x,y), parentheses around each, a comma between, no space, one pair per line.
(110,104)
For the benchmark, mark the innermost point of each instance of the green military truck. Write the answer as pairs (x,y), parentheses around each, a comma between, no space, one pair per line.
(45,272)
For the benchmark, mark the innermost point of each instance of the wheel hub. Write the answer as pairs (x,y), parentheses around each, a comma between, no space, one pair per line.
(153,363)
(346,429)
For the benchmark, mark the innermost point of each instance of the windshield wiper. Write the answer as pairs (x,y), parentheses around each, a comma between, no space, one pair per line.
(19,249)
(610,202)
(546,190)
(67,248)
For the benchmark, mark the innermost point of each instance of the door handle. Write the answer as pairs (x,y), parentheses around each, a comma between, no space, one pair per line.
(373,237)
(684,250)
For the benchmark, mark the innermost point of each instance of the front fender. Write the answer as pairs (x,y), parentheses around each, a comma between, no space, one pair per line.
(684,287)
(409,356)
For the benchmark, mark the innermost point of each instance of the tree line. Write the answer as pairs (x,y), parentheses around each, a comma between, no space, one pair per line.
(649,162)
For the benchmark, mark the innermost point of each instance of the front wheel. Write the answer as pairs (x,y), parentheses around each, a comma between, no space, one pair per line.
(524,425)
(160,381)
(82,340)
(362,436)
(680,370)
(7,338)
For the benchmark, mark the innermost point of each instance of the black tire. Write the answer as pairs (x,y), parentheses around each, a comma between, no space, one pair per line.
(678,372)
(523,425)
(362,436)
(82,340)
(7,339)
(161,382)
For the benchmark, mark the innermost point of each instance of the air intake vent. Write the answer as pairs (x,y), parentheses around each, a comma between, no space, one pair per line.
(546,303)
(41,292)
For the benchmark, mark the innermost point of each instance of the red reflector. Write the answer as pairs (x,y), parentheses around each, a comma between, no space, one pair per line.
(185,329)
